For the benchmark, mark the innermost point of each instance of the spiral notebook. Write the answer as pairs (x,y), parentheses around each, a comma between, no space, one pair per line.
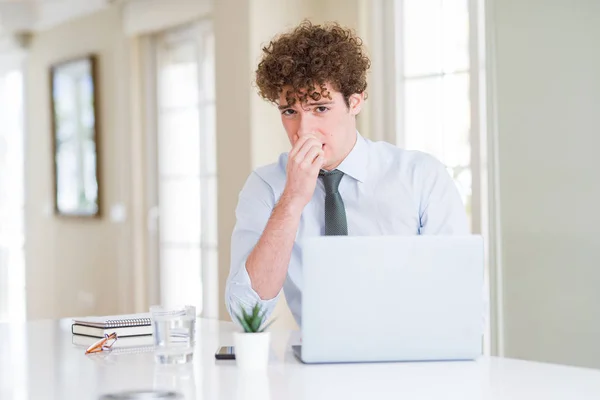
(123,325)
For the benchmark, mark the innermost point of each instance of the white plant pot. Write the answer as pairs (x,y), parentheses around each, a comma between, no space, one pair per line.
(252,349)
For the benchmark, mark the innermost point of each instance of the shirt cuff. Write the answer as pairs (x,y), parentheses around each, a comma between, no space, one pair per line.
(242,294)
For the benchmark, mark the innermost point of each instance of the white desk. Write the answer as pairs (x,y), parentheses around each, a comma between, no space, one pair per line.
(39,361)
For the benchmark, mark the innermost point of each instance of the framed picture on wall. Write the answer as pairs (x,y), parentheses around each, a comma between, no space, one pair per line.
(74,103)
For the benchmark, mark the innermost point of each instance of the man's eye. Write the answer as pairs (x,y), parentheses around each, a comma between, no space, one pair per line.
(321,109)
(288,112)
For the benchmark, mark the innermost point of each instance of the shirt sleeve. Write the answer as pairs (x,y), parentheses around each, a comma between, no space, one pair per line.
(255,204)
(442,211)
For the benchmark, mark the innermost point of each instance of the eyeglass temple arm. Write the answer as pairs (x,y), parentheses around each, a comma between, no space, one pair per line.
(99,345)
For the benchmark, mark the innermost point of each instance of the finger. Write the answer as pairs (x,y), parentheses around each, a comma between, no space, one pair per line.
(308,145)
(312,154)
(318,163)
(298,145)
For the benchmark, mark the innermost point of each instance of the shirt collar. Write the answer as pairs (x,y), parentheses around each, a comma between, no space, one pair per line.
(355,163)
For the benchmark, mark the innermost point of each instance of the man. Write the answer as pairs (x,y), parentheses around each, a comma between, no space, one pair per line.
(333,181)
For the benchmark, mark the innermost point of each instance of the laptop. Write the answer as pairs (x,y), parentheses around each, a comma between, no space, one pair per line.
(391,298)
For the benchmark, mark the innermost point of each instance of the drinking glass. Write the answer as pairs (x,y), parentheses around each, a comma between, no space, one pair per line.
(173,330)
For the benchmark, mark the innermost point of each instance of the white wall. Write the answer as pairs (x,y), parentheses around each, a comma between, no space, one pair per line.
(548,86)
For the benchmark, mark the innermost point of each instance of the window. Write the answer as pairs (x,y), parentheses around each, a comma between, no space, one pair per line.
(12,184)
(186,167)
(12,231)
(438,65)
(433,75)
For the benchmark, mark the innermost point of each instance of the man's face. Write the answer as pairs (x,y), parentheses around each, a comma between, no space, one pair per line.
(332,122)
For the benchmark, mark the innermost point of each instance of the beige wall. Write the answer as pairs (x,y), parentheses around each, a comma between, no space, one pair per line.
(232,62)
(77,266)
(548,87)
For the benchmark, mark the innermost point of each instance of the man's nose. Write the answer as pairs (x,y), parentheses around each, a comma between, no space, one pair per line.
(307,125)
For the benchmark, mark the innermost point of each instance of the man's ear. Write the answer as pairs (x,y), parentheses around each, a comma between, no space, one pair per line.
(355,102)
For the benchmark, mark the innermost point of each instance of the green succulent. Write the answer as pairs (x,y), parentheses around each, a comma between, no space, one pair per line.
(253,321)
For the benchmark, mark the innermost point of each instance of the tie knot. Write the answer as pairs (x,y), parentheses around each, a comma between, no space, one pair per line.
(331,180)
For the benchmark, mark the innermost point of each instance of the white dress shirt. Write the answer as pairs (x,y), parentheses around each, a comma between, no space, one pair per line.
(386,191)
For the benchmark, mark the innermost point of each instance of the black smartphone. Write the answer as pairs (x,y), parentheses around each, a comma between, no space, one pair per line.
(225,353)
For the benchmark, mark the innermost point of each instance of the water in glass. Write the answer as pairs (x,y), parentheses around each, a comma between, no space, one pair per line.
(174,334)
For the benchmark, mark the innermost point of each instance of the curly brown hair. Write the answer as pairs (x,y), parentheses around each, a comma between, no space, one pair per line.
(309,56)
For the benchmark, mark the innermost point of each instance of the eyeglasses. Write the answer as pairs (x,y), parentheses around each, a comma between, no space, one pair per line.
(103,344)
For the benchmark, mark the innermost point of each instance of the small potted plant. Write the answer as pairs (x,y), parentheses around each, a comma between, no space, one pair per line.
(252,345)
